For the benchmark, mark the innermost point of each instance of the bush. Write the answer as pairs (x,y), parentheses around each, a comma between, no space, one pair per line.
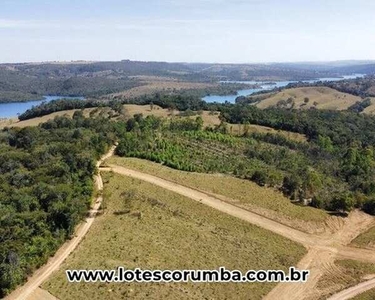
(369,206)
(342,202)
(260,177)
(291,186)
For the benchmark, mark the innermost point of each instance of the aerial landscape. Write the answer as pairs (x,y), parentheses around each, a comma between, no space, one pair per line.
(187,150)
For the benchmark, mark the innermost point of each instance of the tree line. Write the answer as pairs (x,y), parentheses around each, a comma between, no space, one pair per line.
(46,187)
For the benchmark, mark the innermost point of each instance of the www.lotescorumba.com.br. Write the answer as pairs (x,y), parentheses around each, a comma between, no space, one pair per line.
(121,275)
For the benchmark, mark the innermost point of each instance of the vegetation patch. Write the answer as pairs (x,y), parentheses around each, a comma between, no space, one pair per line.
(366,239)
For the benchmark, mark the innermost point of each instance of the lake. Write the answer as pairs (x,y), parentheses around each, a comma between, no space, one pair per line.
(12,109)
(247,92)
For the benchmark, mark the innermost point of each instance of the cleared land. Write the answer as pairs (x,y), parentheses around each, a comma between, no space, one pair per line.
(247,194)
(318,97)
(169,231)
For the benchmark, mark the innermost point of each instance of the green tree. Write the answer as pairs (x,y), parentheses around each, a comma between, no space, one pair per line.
(343,202)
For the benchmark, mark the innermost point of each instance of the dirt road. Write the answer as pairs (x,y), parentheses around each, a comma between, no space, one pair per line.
(205,198)
(322,249)
(54,263)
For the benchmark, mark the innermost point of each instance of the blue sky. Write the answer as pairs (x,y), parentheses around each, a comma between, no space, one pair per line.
(193,31)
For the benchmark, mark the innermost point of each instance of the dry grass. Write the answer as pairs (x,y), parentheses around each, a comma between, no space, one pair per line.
(36,121)
(366,240)
(164,230)
(39,120)
(323,97)
(7,122)
(244,193)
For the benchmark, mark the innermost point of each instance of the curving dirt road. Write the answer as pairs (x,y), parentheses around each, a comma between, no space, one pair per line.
(54,263)
(322,249)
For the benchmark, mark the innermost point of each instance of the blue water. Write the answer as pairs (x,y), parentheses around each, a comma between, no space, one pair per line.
(247,92)
(9,110)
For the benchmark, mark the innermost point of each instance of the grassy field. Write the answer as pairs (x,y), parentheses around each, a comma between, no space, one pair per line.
(148,227)
(343,274)
(7,122)
(369,295)
(366,239)
(319,97)
(265,201)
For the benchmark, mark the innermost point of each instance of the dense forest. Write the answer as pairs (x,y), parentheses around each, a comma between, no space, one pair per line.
(363,87)
(46,187)
(18,96)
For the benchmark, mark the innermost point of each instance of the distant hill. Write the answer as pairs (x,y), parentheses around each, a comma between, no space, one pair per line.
(362,69)
(94,79)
